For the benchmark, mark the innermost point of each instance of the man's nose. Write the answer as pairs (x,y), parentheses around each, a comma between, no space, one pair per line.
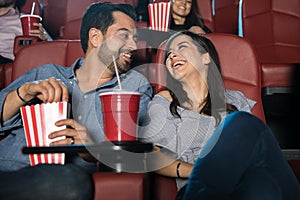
(132,44)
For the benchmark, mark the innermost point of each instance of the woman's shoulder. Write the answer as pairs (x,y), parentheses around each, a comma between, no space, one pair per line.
(165,94)
(161,98)
(239,99)
(234,95)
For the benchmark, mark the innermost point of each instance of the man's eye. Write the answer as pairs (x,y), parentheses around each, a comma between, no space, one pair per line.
(124,36)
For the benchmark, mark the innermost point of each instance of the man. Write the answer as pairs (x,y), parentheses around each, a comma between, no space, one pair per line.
(107,31)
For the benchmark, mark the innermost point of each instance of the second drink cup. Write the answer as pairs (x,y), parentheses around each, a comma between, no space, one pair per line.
(27,23)
(120,115)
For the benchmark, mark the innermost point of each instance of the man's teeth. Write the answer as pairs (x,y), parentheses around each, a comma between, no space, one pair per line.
(128,55)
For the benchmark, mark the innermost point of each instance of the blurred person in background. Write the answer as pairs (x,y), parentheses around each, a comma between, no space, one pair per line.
(10,27)
(185,15)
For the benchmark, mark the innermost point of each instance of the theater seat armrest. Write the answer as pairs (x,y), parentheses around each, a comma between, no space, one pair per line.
(21,41)
(131,186)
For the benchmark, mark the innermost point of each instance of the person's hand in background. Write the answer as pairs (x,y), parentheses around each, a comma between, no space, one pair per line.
(40,32)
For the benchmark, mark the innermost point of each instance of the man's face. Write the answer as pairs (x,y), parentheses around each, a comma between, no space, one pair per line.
(120,42)
(6,3)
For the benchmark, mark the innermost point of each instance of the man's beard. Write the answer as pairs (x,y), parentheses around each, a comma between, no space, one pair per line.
(106,55)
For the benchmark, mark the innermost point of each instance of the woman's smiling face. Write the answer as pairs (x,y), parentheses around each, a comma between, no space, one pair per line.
(184,59)
(181,8)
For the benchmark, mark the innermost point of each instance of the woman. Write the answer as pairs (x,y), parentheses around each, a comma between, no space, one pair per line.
(185,16)
(222,151)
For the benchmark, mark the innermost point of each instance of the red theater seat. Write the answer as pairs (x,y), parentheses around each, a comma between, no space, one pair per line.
(226,16)
(205,8)
(38,9)
(241,71)
(62,13)
(121,186)
(273,27)
(62,52)
(2,77)
(7,68)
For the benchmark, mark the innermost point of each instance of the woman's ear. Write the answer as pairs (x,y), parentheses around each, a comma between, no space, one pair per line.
(95,37)
(205,58)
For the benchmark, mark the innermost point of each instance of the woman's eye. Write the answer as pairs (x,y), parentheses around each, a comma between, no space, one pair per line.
(181,46)
(168,54)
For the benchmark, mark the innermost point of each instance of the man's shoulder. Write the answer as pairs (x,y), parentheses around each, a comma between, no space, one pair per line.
(136,74)
(52,66)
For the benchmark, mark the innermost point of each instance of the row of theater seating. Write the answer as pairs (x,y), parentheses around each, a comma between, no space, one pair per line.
(273,27)
(234,51)
(249,64)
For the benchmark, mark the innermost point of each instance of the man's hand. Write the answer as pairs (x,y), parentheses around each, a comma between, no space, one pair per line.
(48,91)
(75,133)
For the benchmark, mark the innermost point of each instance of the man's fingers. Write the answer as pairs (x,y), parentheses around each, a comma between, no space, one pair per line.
(49,90)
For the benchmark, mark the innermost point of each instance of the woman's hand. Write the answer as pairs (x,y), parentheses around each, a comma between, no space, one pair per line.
(197,30)
(40,32)
(175,168)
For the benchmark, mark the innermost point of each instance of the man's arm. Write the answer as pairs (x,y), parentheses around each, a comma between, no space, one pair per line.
(48,91)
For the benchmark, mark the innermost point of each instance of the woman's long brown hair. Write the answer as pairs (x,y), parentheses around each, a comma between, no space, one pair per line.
(215,103)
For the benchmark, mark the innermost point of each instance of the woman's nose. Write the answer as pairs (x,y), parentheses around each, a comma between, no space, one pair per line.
(172,55)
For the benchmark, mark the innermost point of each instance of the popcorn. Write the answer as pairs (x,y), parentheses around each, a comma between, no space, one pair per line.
(39,121)
(159,15)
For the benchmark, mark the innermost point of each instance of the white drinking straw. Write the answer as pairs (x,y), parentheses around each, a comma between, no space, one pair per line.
(32,8)
(117,72)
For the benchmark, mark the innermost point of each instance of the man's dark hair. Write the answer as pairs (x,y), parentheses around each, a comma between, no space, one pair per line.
(99,16)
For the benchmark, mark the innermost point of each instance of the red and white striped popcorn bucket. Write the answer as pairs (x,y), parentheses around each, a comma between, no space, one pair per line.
(39,121)
(159,16)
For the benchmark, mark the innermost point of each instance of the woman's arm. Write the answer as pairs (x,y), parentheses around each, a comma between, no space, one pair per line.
(157,131)
(177,168)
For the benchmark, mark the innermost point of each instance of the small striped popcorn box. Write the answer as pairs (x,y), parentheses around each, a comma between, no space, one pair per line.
(159,16)
(39,121)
